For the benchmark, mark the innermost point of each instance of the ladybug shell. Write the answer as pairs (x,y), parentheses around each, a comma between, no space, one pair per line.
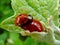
(24,22)
(33,26)
(21,19)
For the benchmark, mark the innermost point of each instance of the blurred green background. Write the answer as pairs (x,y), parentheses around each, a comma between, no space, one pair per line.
(11,38)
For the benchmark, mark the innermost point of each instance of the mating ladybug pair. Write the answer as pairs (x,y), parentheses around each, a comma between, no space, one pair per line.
(28,23)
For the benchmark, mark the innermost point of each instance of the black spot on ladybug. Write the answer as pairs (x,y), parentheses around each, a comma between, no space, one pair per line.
(34,26)
(28,28)
(22,21)
(35,30)
(25,18)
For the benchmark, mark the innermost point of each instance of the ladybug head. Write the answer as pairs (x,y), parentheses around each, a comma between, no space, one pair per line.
(23,19)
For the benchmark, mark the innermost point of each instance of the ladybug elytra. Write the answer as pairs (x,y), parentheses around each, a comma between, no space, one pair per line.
(28,23)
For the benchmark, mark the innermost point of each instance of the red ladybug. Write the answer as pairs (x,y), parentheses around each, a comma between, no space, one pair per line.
(28,23)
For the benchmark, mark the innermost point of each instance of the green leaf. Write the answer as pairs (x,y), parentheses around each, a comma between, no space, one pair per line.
(9,25)
(4,36)
(39,9)
(1,42)
(14,37)
(5,9)
(30,41)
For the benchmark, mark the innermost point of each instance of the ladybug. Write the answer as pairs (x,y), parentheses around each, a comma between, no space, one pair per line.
(28,23)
